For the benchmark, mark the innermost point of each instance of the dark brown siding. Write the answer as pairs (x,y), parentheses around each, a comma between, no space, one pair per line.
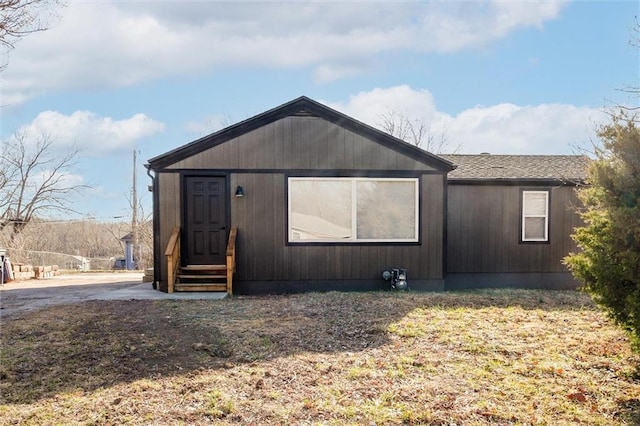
(168,216)
(258,161)
(484,230)
(264,256)
(306,143)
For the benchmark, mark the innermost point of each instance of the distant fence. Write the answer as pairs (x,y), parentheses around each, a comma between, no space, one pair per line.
(66,261)
(103,264)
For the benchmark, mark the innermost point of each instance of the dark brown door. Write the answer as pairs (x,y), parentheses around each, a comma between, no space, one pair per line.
(205,220)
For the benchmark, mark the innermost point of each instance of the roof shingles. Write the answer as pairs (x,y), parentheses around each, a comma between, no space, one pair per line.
(572,168)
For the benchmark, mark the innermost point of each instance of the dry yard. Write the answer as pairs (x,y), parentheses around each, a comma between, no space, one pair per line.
(480,358)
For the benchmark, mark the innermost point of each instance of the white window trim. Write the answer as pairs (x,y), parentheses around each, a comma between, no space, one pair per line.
(353,239)
(545,216)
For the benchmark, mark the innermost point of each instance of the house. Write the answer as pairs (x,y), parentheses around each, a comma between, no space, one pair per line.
(305,198)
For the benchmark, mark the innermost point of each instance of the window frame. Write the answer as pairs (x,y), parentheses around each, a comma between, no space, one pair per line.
(354,240)
(524,216)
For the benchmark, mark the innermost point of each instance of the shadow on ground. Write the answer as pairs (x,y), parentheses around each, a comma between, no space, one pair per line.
(96,344)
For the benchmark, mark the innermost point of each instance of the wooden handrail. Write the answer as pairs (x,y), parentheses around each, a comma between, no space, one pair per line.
(231,259)
(173,258)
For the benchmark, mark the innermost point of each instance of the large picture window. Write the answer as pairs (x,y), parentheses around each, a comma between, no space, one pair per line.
(353,210)
(535,216)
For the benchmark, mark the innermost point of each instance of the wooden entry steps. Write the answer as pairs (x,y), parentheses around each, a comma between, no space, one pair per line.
(200,277)
(186,287)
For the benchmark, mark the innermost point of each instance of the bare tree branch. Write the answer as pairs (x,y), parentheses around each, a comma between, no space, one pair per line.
(634,91)
(416,132)
(19,18)
(35,180)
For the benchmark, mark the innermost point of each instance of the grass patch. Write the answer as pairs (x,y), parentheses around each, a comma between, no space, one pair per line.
(473,358)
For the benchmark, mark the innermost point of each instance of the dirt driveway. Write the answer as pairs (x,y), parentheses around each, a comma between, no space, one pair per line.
(20,296)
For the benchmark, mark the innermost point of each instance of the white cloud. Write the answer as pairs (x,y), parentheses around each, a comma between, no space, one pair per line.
(92,134)
(370,107)
(328,73)
(499,129)
(114,44)
(478,22)
(512,129)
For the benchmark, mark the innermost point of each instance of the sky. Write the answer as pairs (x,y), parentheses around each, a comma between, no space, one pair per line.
(505,77)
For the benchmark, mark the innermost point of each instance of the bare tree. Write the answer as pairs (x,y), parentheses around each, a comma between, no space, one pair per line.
(19,18)
(633,90)
(87,238)
(414,131)
(634,41)
(36,180)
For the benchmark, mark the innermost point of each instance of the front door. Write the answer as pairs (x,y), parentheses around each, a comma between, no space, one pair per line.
(205,220)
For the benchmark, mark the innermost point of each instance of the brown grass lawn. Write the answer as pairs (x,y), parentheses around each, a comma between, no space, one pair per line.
(477,358)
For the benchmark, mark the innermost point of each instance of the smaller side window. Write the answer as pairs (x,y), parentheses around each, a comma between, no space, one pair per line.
(535,216)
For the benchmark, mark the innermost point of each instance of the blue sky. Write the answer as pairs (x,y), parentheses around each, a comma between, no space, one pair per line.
(506,77)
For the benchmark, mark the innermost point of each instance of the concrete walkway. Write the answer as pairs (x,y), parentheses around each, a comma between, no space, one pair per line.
(29,295)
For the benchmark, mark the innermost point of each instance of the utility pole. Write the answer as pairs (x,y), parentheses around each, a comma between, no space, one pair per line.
(134,216)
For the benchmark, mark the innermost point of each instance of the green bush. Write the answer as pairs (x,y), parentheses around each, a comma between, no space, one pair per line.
(609,262)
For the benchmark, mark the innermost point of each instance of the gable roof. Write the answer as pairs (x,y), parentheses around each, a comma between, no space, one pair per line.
(563,168)
(306,107)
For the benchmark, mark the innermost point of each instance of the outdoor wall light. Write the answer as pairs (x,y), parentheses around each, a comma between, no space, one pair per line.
(239,191)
